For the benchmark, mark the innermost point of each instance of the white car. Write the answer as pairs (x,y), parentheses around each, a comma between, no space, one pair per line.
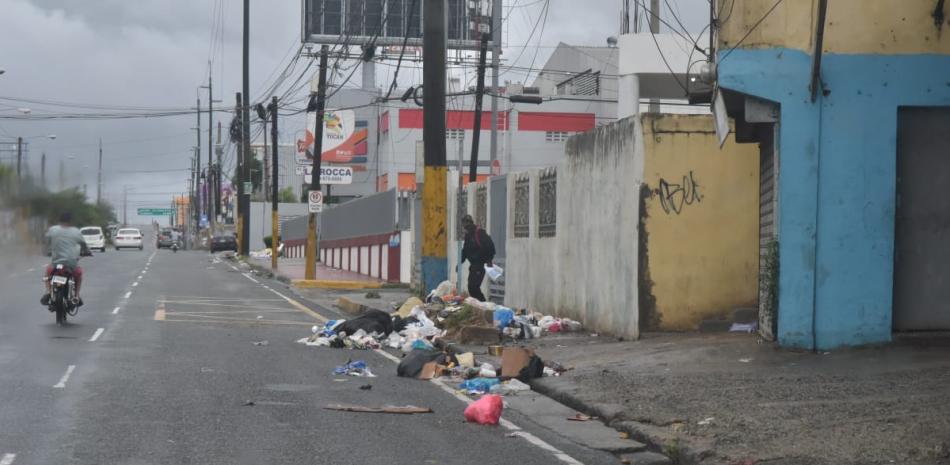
(94,237)
(128,238)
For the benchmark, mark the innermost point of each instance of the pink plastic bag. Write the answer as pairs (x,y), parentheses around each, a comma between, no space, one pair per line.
(485,411)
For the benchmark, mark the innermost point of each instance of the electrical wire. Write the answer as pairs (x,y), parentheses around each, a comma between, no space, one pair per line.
(754,26)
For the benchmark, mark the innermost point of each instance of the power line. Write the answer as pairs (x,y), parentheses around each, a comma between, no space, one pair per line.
(757,23)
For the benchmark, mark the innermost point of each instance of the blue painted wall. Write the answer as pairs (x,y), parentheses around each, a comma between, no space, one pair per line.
(837,183)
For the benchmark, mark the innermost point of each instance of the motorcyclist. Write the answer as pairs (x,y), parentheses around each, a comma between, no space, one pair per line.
(66,244)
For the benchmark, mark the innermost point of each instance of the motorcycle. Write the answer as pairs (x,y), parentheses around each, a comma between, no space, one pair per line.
(62,300)
(175,246)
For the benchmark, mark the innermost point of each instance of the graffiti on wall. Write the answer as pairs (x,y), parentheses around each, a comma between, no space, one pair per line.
(673,197)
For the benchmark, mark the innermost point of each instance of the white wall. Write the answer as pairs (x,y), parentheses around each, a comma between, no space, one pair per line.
(597,234)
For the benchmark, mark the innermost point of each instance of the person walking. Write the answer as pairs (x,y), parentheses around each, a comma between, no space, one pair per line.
(479,250)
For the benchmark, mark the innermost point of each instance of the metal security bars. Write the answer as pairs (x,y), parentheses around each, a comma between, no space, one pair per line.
(547,204)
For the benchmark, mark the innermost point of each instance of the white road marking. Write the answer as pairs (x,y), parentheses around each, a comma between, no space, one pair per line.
(115,310)
(140,276)
(31,270)
(7,459)
(127,295)
(249,277)
(62,381)
(96,334)
(135,284)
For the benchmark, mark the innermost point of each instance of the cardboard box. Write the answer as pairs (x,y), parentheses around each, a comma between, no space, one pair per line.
(513,360)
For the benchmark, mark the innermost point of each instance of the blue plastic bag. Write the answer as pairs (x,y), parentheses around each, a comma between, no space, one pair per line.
(478,385)
(502,317)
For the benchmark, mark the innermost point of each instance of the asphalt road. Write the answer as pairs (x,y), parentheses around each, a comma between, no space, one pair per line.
(174,377)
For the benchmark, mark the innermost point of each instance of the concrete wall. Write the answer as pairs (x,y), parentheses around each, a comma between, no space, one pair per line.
(700,224)
(837,196)
(588,271)
(261,216)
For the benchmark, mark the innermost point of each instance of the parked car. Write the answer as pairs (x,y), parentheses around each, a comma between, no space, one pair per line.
(165,238)
(128,238)
(94,237)
(223,242)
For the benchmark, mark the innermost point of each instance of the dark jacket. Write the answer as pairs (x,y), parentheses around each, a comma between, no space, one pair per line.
(478,248)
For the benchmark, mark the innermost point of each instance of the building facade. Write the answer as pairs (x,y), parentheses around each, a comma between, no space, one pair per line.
(851,115)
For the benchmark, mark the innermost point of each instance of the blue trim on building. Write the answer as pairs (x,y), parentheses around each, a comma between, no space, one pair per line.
(837,183)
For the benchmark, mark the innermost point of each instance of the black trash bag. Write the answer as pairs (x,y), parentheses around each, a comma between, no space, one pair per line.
(373,321)
(534,369)
(400,323)
(411,364)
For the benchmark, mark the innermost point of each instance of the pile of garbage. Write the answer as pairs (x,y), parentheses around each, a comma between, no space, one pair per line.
(445,314)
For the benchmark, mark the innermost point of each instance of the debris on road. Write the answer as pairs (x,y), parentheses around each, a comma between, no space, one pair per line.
(249,403)
(485,411)
(366,387)
(261,343)
(510,387)
(357,368)
(408,409)
(478,385)
(581,417)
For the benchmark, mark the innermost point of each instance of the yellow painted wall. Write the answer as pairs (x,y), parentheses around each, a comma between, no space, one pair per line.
(702,248)
(852,26)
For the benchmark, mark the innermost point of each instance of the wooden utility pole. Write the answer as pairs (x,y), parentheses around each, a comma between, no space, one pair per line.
(244,201)
(99,177)
(434,262)
(274,225)
(479,94)
(310,271)
(240,176)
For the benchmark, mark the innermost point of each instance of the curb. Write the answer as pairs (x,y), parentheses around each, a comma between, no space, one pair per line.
(332,284)
(656,439)
(351,307)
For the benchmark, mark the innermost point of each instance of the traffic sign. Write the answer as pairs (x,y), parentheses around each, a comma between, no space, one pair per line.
(315,201)
(156,211)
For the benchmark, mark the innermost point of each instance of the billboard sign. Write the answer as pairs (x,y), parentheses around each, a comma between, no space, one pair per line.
(328,174)
(387,22)
(343,138)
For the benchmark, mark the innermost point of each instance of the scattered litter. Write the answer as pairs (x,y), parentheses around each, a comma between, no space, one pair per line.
(624,435)
(521,363)
(478,385)
(411,365)
(485,411)
(744,327)
(510,387)
(466,360)
(372,295)
(705,421)
(261,343)
(249,403)
(745,360)
(259,317)
(408,409)
(594,335)
(486,370)
(366,387)
(495,350)
(581,417)
(357,368)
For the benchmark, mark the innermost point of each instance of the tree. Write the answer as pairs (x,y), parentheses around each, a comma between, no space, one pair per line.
(286,195)
(51,205)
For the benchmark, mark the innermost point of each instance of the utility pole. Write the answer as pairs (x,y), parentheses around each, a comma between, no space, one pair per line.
(198,146)
(434,263)
(274,234)
(496,7)
(217,174)
(43,170)
(262,114)
(240,175)
(125,205)
(19,161)
(62,174)
(310,271)
(212,215)
(655,29)
(99,176)
(245,126)
(479,94)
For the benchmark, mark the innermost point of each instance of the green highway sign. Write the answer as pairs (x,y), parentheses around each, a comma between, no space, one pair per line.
(156,211)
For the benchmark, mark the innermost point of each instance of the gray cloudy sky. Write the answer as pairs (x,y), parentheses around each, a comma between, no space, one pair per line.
(154,54)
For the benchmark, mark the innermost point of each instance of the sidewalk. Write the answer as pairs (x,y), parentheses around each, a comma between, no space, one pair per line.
(292,269)
(735,399)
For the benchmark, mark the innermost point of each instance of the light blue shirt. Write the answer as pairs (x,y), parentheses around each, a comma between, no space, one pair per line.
(65,245)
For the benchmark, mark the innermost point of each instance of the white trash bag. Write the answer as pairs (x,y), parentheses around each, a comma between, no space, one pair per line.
(494,272)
